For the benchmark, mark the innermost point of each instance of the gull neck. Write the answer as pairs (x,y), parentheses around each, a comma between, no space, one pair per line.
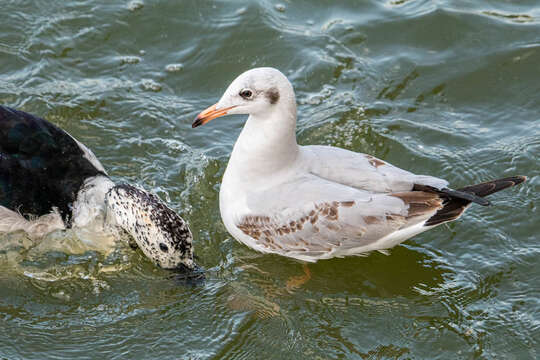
(267,143)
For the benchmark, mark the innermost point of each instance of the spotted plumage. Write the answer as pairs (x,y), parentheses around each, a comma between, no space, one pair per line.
(158,231)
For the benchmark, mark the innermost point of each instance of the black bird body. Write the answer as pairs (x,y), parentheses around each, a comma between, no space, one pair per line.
(41,166)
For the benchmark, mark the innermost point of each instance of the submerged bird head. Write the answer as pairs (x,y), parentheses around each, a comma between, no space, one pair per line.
(255,92)
(161,234)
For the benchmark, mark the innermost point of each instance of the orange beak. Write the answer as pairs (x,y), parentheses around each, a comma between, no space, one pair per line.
(209,114)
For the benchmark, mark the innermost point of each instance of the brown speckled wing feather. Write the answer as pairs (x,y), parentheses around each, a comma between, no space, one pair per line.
(337,228)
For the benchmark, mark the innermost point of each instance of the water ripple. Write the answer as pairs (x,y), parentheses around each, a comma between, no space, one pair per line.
(435,87)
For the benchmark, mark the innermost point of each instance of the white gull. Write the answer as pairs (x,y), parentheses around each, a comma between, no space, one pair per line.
(319,202)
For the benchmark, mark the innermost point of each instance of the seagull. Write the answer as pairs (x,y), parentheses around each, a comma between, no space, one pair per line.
(319,202)
(49,181)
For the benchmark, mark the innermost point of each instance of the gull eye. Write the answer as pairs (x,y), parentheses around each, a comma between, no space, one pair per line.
(246,94)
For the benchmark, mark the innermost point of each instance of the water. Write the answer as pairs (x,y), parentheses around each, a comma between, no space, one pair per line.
(437,87)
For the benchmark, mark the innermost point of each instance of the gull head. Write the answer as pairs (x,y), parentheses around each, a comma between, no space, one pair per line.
(257,92)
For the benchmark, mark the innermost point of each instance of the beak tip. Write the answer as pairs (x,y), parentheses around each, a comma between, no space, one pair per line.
(209,114)
(196,123)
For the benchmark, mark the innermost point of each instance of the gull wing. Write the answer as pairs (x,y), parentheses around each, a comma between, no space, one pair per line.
(362,171)
(312,218)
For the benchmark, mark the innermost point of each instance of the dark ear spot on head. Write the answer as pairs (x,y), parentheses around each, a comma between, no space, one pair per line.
(163,247)
(273,95)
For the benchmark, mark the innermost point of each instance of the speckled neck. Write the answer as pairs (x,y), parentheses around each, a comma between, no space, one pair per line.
(162,235)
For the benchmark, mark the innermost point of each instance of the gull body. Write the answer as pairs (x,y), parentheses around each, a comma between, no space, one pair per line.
(318,202)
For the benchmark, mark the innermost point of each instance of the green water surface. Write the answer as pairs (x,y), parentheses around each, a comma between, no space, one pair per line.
(448,88)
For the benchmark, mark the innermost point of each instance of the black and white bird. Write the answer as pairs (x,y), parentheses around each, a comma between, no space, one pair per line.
(50,181)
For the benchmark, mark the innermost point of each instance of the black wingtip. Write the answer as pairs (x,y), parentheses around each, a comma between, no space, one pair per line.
(460,199)
(490,187)
(470,196)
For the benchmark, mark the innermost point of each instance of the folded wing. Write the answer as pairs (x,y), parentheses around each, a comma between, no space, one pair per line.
(337,225)
(363,171)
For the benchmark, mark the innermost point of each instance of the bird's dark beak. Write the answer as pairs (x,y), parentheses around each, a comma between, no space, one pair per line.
(209,114)
(188,276)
